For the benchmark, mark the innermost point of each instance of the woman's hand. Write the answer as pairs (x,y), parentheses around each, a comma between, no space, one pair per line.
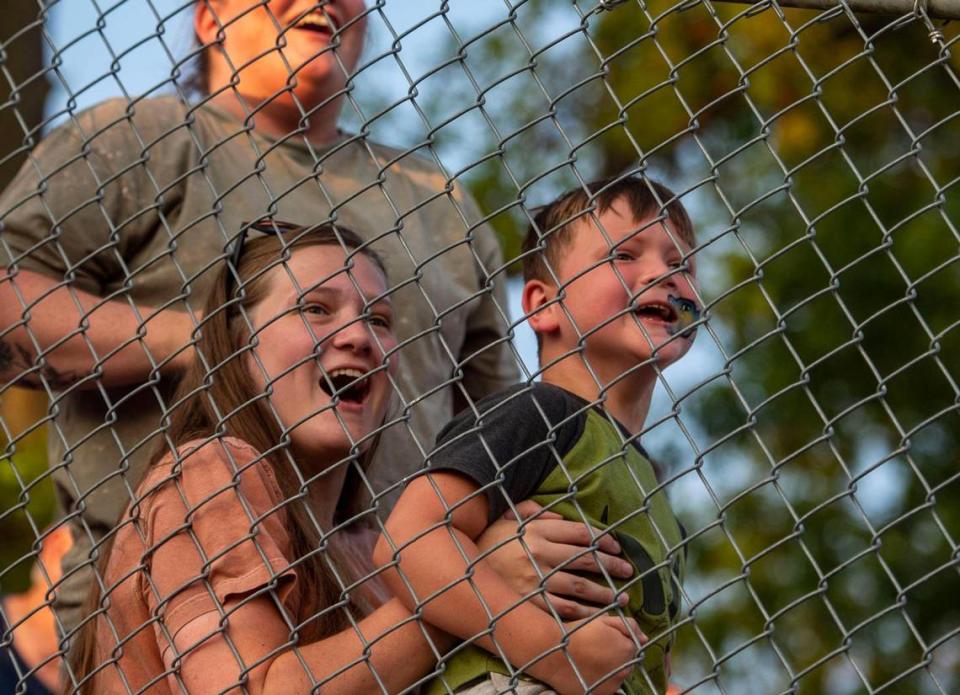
(600,653)
(545,545)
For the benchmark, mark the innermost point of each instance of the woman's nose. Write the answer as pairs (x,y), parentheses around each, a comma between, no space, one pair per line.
(355,336)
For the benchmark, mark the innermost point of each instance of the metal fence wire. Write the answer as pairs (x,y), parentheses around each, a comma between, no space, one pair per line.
(796,528)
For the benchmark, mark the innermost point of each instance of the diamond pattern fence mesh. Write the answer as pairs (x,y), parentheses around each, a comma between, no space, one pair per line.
(209,415)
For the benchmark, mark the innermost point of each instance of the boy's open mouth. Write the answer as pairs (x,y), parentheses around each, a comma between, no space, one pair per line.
(677,313)
(657,310)
(349,385)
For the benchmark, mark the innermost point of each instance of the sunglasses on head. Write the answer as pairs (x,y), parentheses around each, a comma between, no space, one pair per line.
(265,225)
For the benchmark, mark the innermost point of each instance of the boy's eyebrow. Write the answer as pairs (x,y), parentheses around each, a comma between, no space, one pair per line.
(635,234)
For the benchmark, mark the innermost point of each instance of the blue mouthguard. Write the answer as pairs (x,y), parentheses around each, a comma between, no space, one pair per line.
(688,313)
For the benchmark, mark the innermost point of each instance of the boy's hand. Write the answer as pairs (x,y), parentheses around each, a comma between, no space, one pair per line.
(555,545)
(604,650)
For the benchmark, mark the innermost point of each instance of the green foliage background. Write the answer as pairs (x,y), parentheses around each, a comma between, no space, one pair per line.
(27,505)
(26,494)
(820,157)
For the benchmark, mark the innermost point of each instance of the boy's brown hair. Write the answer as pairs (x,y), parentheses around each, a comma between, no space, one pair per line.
(554,223)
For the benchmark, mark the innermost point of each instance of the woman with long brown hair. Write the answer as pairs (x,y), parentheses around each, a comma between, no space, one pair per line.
(224,572)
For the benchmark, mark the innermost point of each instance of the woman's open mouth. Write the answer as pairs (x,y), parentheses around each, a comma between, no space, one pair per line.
(349,385)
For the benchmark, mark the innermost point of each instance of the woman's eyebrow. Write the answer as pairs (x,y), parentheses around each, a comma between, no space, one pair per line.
(379,303)
(301,295)
(333,292)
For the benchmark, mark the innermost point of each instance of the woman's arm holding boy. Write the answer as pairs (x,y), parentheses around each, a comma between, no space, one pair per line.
(539,553)
(433,528)
(226,588)
(386,651)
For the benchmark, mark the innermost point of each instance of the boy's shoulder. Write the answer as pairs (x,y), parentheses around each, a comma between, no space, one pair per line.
(509,442)
(543,403)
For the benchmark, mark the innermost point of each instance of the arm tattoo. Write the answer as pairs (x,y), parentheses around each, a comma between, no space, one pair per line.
(6,357)
(18,365)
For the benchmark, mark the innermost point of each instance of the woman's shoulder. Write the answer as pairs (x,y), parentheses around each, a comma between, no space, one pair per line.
(207,451)
(201,468)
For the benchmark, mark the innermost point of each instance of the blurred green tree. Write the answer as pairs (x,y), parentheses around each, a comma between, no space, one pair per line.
(818,152)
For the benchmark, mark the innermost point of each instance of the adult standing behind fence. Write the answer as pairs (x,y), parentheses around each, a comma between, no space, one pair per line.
(111,229)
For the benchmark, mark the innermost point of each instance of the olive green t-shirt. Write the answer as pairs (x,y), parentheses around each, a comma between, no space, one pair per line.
(541,442)
(136,202)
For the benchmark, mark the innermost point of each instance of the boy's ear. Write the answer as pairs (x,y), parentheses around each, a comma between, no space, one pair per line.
(539,305)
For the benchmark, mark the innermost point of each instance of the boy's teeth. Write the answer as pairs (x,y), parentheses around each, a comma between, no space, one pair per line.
(659,310)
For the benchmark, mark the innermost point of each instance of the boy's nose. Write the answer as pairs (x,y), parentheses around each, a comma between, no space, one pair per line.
(660,272)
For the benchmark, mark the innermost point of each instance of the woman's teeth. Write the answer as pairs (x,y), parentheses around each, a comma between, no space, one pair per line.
(347,384)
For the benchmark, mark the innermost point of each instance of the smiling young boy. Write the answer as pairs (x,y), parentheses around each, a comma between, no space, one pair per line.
(610,294)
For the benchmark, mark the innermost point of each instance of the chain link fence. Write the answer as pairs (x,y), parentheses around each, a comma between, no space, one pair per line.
(807,443)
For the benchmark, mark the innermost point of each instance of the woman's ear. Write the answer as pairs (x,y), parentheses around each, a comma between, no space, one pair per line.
(540,306)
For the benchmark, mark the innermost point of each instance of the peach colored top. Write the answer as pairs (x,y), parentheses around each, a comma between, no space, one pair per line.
(207,525)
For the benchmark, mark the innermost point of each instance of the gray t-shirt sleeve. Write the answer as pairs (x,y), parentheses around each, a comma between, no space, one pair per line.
(79,201)
(521,434)
(488,362)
